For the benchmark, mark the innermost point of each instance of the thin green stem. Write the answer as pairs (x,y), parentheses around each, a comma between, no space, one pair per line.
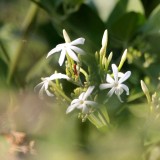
(93,119)
(60,92)
(103,117)
(26,29)
(84,73)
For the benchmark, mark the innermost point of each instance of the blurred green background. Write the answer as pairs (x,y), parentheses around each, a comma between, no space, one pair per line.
(31,28)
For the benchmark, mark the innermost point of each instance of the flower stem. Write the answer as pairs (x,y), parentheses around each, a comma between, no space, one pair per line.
(26,28)
(103,118)
(61,92)
(84,73)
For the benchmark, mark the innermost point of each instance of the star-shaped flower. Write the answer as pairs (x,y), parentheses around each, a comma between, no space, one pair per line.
(46,81)
(82,102)
(69,48)
(116,83)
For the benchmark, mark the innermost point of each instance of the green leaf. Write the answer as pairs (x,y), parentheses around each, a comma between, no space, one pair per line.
(149,6)
(118,11)
(3,53)
(135,96)
(126,27)
(152,26)
(123,7)
(59,8)
(48,5)
(151,33)
(3,73)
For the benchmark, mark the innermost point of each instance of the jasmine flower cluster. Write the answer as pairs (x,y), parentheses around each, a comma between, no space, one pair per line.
(85,102)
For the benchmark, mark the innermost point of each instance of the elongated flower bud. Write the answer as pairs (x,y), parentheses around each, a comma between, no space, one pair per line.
(105,39)
(146,91)
(110,57)
(123,59)
(104,43)
(66,36)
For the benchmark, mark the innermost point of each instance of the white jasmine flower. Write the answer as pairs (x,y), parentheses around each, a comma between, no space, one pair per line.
(82,102)
(116,83)
(69,48)
(45,83)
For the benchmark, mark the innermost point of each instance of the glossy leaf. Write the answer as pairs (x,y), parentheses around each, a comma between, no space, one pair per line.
(126,27)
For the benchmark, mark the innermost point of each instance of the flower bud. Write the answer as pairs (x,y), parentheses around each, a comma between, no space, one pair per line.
(66,36)
(146,91)
(105,39)
(123,59)
(110,57)
(104,43)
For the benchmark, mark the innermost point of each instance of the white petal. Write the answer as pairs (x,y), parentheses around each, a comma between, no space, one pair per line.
(66,36)
(125,77)
(91,103)
(80,106)
(110,93)
(109,79)
(115,72)
(78,41)
(54,50)
(62,57)
(58,76)
(81,96)
(71,108)
(105,86)
(85,109)
(77,50)
(49,93)
(61,45)
(88,92)
(75,101)
(72,54)
(38,86)
(119,98)
(46,83)
(41,91)
(118,91)
(125,88)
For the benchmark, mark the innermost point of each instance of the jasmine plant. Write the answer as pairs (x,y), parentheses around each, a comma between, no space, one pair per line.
(84,96)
